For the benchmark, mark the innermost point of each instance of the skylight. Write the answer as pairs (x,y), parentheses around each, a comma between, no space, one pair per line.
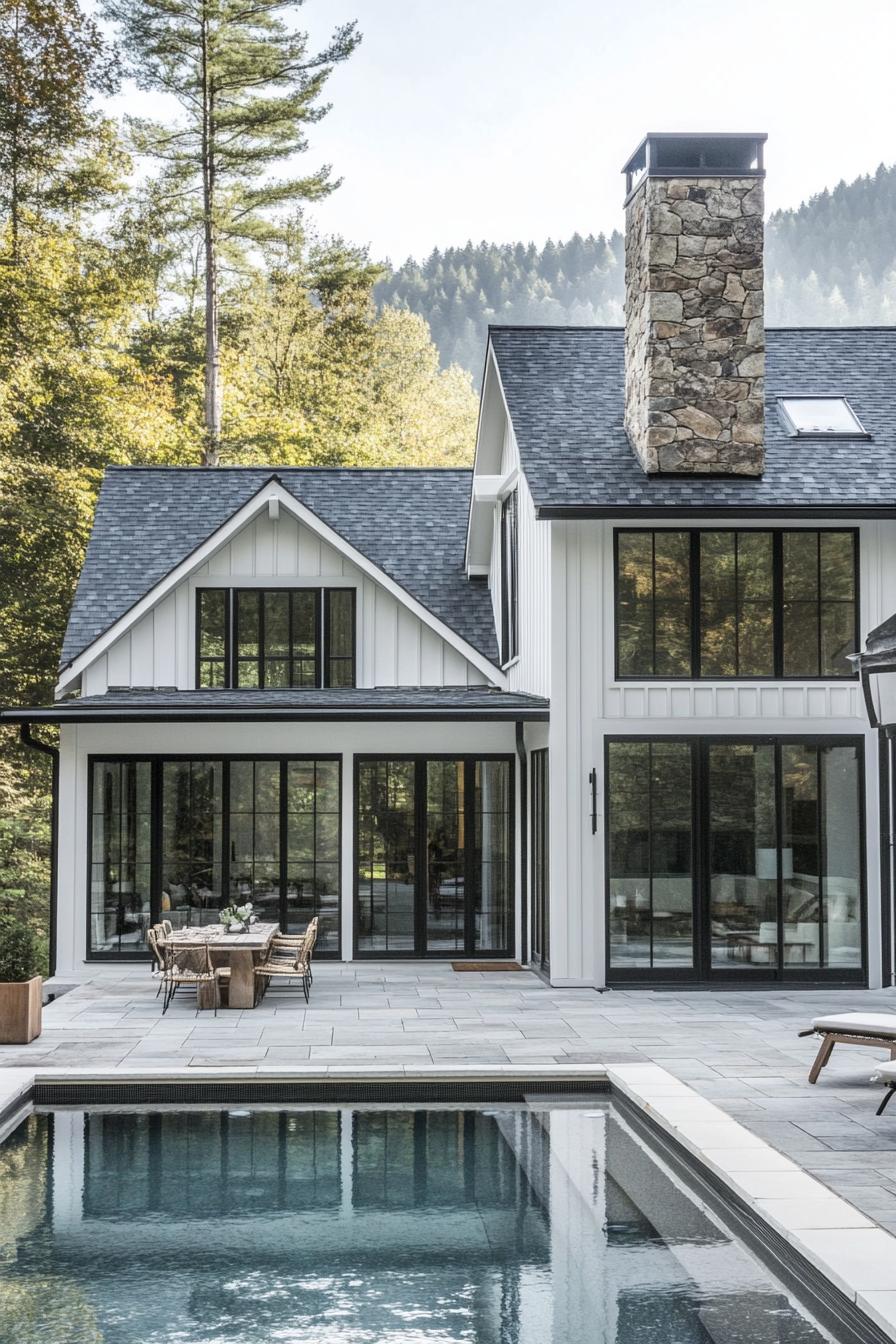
(821,415)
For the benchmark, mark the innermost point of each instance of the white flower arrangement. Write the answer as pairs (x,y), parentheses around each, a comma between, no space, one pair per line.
(239,916)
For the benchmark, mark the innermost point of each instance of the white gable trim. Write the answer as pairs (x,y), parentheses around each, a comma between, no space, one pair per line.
(272,494)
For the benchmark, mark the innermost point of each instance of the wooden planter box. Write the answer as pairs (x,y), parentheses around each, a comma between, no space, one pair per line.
(20,1010)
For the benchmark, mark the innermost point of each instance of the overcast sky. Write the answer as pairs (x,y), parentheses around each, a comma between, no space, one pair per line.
(510,119)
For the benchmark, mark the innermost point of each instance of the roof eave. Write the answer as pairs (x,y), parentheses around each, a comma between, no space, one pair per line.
(577,512)
(198,714)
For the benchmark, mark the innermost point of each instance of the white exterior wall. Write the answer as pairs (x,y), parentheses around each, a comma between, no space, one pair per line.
(394,647)
(588,704)
(80,741)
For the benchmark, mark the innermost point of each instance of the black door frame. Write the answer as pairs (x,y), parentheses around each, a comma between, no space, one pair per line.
(419,952)
(702,972)
(539,849)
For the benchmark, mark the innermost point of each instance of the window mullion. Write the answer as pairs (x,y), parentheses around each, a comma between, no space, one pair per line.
(321,640)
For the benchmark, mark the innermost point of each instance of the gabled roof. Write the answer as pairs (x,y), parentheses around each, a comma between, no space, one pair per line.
(142,705)
(564,388)
(410,523)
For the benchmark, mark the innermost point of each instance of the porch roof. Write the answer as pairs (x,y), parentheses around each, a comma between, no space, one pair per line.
(163,705)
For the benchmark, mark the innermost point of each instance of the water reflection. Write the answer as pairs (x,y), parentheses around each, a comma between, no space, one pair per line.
(380,1226)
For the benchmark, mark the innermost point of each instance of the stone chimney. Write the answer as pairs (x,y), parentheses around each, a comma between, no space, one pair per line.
(694,332)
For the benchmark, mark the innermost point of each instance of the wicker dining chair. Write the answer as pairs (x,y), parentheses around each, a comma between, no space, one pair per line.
(155,938)
(287,961)
(187,966)
(297,939)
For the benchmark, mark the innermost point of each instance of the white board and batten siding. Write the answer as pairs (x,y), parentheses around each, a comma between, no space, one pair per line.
(394,646)
(588,705)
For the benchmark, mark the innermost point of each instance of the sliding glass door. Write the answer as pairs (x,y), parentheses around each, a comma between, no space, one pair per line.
(732,858)
(434,857)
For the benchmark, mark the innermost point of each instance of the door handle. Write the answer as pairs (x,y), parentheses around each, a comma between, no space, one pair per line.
(592,780)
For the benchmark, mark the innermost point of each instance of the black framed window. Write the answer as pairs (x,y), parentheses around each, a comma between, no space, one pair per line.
(720,603)
(434,856)
(735,858)
(273,638)
(179,838)
(120,874)
(510,577)
(339,627)
(213,637)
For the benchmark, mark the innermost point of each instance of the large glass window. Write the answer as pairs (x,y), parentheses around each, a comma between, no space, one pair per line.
(213,636)
(254,815)
(779,825)
(819,616)
(743,855)
(312,859)
(651,884)
(715,603)
(120,868)
(434,845)
(653,604)
(266,831)
(273,638)
(192,842)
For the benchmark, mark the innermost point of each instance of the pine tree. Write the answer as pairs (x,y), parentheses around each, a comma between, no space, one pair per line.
(248,88)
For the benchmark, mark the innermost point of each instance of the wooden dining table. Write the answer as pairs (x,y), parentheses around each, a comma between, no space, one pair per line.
(242,952)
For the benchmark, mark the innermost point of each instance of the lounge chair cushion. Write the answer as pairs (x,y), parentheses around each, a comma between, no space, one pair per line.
(885,1073)
(858,1024)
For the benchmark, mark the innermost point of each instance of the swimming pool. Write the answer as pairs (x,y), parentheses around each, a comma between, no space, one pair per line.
(503,1224)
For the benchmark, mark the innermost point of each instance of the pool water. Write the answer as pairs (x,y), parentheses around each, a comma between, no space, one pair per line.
(506,1225)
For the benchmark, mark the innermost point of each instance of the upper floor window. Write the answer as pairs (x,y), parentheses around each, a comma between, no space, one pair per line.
(267,638)
(509,578)
(715,604)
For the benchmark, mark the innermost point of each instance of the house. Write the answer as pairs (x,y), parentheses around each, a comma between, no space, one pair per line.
(590,706)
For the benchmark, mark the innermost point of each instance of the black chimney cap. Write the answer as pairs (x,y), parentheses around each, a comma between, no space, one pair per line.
(685,154)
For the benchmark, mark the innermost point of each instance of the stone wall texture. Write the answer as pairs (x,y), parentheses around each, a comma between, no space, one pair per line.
(694,331)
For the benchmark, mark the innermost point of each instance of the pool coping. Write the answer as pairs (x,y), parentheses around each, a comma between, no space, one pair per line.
(812,1227)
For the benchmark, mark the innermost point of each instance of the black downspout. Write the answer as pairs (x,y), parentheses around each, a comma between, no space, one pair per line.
(53,753)
(524,842)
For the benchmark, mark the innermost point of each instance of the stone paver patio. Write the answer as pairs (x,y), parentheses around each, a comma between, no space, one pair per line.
(739,1050)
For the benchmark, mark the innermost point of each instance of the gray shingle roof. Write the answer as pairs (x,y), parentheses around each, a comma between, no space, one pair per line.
(564,388)
(410,523)
(166,704)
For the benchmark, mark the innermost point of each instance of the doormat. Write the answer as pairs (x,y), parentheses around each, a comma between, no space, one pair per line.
(486,966)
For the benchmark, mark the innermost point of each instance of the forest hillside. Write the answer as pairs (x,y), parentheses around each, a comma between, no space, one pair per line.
(831,261)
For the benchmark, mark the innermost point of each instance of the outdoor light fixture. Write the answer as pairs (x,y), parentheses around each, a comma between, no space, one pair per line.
(877,668)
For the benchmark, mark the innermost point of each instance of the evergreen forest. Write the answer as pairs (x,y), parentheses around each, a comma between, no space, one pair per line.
(831,262)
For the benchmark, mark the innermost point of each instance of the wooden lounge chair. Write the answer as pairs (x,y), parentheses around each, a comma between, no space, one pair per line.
(288,960)
(885,1073)
(877,1030)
